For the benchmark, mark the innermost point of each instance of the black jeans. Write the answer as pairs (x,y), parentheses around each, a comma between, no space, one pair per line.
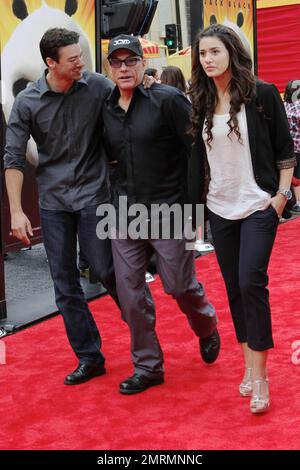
(60,230)
(243,248)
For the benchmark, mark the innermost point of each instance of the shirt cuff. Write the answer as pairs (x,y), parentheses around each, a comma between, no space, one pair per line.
(286,164)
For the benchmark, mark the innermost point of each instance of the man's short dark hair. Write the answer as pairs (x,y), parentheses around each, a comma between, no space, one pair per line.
(54,39)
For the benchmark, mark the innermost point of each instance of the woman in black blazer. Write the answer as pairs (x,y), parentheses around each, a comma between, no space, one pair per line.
(244,152)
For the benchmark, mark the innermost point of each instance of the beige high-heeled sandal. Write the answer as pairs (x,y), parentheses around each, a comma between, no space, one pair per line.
(260,400)
(245,386)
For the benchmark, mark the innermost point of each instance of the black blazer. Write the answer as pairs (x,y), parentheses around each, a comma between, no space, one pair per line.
(271,145)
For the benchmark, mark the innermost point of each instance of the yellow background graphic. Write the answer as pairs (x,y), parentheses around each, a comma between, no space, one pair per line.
(84,16)
(229,9)
(276,3)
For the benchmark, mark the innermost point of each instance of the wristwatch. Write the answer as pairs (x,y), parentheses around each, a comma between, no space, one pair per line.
(287,193)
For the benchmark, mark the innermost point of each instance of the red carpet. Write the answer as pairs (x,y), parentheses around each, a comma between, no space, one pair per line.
(198,407)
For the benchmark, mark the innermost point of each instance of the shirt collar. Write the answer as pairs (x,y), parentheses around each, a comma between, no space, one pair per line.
(44,87)
(113,100)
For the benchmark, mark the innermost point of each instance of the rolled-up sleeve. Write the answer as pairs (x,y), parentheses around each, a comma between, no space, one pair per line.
(282,140)
(17,136)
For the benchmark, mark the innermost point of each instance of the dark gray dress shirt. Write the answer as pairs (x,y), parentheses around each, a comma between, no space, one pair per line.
(67,128)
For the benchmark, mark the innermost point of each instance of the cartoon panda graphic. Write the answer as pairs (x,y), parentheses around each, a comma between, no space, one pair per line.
(21,62)
(237,27)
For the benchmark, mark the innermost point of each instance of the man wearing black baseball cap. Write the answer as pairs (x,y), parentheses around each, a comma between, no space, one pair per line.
(124,41)
(146,132)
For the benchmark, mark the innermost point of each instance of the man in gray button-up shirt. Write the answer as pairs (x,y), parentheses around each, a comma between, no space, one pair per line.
(62,112)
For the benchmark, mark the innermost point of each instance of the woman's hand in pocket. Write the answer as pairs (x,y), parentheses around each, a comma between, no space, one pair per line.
(278,202)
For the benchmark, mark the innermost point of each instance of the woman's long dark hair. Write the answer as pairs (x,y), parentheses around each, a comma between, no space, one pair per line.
(203,90)
(173,76)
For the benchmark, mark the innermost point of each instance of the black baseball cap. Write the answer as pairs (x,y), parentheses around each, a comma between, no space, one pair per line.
(124,41)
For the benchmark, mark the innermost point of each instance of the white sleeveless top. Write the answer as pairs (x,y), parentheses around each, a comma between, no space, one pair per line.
(233,192)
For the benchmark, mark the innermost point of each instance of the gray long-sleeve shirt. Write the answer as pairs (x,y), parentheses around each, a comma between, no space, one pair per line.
(67,128)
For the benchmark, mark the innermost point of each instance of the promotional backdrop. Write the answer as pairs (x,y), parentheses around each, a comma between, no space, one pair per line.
(238,15)
(84,16)
(278,41)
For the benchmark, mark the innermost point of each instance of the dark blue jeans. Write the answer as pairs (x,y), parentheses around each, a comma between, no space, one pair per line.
(60,230)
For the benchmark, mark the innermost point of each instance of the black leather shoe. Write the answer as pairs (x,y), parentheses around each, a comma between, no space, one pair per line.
(83,373)
(139,383)
(210,347)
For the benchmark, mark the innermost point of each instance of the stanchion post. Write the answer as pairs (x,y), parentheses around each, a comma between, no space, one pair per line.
(196,7)
(98,27)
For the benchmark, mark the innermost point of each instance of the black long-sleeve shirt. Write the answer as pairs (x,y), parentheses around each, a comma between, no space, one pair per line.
(150,144)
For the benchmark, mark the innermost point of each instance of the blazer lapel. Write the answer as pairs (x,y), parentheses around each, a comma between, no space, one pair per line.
(251,123)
